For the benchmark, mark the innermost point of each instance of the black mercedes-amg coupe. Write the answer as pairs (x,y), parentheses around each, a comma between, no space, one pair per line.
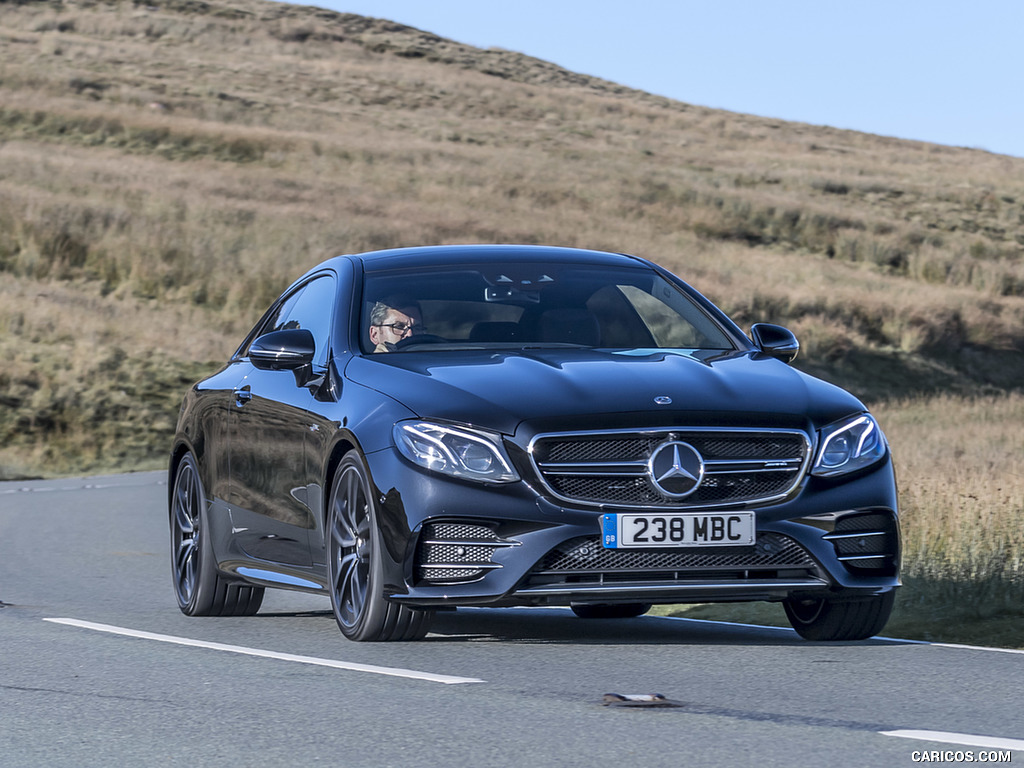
(505,425)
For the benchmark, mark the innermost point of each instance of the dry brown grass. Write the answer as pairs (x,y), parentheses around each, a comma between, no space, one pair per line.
(962,497)
(203,154)
(90,383)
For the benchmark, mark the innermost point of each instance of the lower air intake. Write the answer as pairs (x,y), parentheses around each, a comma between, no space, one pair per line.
(867,543)
(455,553)
(586,557)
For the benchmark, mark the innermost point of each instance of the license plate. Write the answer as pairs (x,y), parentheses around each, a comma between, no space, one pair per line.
(696,529)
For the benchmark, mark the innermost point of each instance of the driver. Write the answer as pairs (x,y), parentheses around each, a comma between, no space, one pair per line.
(389,325)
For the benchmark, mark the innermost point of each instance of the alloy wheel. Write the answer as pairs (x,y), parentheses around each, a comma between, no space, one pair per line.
(351,546)
(185,526)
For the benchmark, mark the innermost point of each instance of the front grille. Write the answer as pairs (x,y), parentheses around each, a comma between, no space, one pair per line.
(596,449)
(867,543)
(611,468)
(449,553)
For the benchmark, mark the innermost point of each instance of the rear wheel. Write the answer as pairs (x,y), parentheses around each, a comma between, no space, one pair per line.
(200,589)
(354,563)
(607,611)
(823,619)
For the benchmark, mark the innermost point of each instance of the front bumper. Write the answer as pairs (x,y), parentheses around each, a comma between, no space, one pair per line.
(454,543)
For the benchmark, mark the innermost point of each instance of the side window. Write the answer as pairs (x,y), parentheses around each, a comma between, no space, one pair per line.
(313,310)
(277,321)
(311,307)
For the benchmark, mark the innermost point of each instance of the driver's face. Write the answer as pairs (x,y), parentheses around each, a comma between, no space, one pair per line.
(397,325)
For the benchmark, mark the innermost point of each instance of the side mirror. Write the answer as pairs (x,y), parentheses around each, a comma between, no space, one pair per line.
(287,350)
(775,341)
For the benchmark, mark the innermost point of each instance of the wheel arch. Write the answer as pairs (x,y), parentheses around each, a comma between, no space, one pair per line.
(181,448)
(345,443)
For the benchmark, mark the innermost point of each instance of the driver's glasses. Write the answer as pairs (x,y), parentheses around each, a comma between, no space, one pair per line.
(399,328)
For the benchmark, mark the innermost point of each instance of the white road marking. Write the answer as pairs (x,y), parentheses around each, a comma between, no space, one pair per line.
(945,737)
(966,739)
(726,623)
(97,483)
(348,665)
(878,637)
(954,645)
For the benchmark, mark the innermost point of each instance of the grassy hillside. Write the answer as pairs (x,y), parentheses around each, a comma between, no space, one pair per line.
(167,167)
(173,165)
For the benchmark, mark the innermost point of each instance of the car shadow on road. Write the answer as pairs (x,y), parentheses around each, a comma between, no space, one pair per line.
(561,626)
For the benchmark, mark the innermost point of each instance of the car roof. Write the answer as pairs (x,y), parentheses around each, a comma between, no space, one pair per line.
(438,255)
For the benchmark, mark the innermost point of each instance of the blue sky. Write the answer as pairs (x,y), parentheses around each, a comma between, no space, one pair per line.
(940,71)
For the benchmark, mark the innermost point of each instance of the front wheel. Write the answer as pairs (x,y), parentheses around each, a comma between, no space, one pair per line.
(823,619)
(200,589)
(354,563)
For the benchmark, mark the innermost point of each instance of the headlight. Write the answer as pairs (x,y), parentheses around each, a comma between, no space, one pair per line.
(848,446)
(452,451)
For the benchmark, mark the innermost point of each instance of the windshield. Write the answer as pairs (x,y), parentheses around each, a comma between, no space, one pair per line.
(531,305)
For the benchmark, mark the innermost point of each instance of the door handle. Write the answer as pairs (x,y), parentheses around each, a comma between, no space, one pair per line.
(243,396)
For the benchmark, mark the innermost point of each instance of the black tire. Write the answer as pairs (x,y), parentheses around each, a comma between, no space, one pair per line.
(354,565)
(823,619)
(610,611)
(199,587)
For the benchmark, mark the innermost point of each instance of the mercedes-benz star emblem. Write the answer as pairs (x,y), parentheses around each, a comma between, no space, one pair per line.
(663,400)
(676,469)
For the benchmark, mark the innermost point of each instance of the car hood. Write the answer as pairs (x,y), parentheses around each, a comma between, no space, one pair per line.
(499,390)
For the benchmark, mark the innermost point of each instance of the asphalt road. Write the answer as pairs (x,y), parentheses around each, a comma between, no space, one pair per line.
(99,668)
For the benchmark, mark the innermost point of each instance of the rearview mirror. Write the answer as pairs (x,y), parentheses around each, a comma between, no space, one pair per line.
(286,350)
(775,341)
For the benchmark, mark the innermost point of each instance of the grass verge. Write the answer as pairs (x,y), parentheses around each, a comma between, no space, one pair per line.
(916,617)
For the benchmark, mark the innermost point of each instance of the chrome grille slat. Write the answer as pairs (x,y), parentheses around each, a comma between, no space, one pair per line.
(619,468)
(435,554)
(470,542)
(730,467)
(610,468)
(466,566)
(640,467)
(838,536)
(436,573)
